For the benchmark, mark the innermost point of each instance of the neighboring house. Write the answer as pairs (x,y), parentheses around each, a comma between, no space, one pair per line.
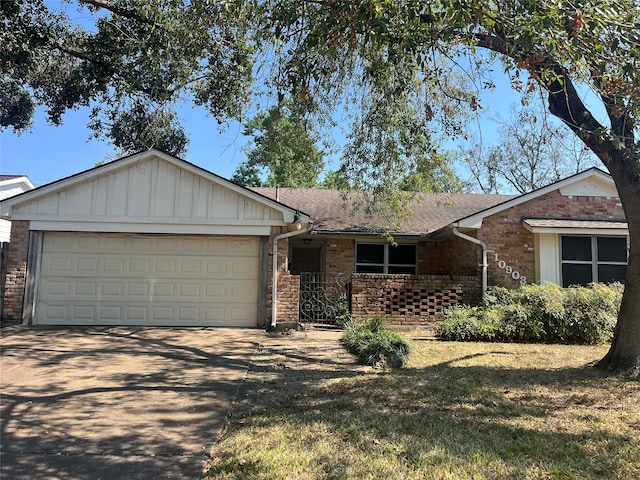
(153,240)
(11,185)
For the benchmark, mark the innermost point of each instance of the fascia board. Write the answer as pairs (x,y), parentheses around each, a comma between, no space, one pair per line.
(23,180)
(578,231)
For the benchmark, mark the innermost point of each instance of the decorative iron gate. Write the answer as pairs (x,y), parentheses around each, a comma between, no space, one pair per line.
(325,298)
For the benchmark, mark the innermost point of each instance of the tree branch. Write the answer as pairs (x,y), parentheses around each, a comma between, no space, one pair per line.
(563,98)
(123,12)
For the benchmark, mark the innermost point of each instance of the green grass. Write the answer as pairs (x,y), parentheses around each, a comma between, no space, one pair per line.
(457,411)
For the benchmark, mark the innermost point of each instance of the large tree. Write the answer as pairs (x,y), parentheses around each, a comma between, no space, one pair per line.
(410,47)
(131,61)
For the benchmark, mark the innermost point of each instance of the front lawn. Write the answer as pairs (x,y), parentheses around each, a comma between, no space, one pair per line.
(456,411)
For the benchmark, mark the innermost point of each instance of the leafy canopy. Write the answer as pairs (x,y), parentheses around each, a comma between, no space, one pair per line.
(131,61)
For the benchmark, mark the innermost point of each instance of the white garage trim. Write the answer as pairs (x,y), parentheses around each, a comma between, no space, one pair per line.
(113,227)
(130,279)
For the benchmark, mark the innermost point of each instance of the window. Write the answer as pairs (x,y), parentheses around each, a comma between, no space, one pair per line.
(385,258)
(593,259)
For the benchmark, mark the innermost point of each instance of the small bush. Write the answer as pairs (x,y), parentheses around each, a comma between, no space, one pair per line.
(373,343)
(538,314)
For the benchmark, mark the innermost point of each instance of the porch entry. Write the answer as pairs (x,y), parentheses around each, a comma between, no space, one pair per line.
(325,298)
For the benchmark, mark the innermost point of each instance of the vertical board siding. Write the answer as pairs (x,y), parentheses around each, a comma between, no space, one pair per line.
(154,189)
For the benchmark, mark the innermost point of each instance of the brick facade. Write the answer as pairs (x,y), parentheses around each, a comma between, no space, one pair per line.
(16,275)
(513,244)
(448,270)
(288,298)
(454,256)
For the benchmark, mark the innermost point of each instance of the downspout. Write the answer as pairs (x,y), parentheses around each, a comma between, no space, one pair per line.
(274,274)
(485,265)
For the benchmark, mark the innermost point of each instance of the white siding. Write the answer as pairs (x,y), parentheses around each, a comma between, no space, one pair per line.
(5,230)
(150,191)
(547,258)
(7,190)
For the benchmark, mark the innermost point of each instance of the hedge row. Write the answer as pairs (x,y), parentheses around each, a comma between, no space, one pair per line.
(538,314)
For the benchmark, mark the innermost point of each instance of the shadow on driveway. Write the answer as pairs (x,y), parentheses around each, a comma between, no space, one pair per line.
(115,402)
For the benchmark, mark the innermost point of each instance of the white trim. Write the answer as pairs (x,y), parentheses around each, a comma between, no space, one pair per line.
(475,220)
(619,232)
(547,257)
(24,180)
(119,227)
(167,222)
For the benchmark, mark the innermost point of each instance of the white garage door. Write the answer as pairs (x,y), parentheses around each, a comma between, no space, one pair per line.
(119,279)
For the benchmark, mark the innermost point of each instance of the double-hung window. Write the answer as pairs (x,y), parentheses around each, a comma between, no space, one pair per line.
(385,258)
(587,259)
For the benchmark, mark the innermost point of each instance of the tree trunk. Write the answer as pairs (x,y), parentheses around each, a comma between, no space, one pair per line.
(624,355)
(619,153)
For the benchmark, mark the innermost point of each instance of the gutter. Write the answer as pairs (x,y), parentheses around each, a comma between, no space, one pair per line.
(274,274)
(485,264)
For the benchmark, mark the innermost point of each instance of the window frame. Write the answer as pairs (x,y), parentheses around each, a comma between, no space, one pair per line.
(595,262)
(386,265)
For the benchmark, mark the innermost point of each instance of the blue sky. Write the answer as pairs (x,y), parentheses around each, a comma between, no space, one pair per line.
(48,153)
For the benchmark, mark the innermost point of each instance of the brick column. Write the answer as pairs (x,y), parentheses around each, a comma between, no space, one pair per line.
(16,273)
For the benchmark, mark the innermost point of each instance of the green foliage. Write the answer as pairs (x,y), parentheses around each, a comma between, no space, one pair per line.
(284,147)
(139,129)
(247,176)
(335,180)
(538,314)
(339,306)
(121,55)
(373,343)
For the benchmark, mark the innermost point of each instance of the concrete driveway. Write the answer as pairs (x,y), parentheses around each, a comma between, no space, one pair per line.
(114,402)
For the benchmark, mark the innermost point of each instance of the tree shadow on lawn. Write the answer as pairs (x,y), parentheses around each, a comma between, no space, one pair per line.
(475,417)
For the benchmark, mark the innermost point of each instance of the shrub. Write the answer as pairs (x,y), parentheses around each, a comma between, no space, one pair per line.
(534,313)
(373,343)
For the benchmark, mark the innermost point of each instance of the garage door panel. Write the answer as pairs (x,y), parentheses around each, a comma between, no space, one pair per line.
(161,280)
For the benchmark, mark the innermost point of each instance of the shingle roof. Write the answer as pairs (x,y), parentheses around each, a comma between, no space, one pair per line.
(573,223)
(332,211)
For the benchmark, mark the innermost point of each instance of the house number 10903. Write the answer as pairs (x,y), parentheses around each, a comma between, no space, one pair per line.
(509,270)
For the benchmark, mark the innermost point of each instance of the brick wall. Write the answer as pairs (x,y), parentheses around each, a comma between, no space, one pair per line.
(283,248)
(455,256)
(410,299)
(16,273)
(339,255)
(505,235)
(288,297)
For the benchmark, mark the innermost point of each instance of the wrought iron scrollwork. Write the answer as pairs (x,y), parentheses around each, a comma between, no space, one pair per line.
(324,298)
